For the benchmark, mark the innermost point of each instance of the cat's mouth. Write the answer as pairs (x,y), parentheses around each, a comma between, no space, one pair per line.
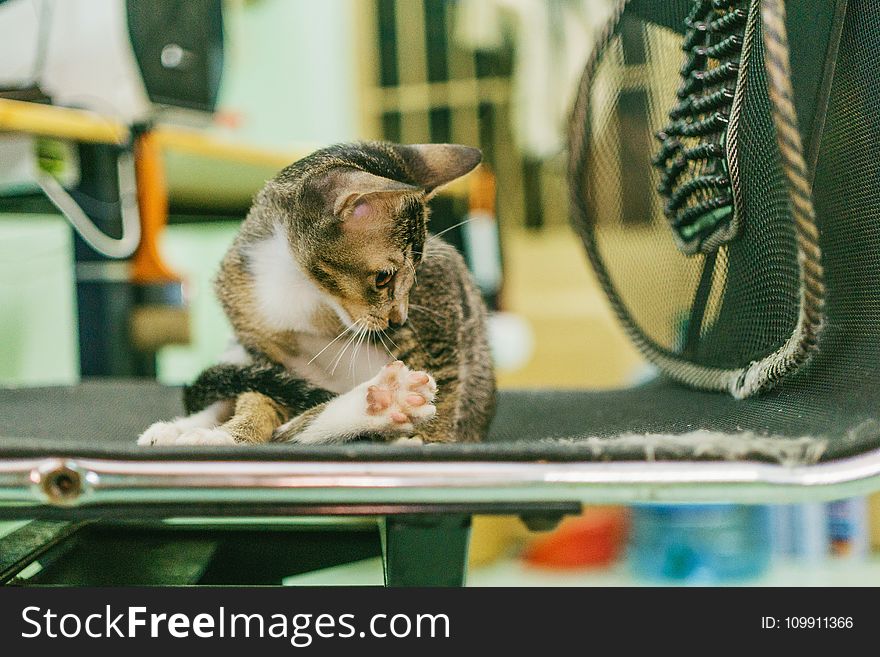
(396,318)
(375,324)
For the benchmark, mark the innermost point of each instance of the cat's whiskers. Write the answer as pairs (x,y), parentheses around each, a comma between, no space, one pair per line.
(365,342)
(353,351)
(357,347)
(342,352)
(329,344)
(413,270)
(427,311)
(379,335)
(446,230)
(389,339)
(434,254)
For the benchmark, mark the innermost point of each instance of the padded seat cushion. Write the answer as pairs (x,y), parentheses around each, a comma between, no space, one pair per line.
(657,421)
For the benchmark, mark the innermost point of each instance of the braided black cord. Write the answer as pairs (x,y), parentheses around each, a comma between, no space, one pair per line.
(692,158)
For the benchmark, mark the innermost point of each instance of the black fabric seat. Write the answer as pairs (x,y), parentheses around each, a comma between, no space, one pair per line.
(773,323)
(795,291)
(660,420)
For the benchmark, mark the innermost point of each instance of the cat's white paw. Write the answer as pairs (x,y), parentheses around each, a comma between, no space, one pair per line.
(160,433)
(167,433)
(407,441)
(216,436)
(398,398)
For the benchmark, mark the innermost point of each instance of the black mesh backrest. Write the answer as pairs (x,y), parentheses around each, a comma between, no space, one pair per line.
(761,306)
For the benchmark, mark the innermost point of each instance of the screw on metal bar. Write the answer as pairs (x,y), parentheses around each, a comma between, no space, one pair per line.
(62,485)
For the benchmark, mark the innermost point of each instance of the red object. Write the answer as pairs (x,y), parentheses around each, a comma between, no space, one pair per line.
(595,538)
(229,119)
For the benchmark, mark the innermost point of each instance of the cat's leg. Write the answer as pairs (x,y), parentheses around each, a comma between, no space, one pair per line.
(463,413)
(255,418)
(392,404)
(458,409)
(167,433)
(444,428)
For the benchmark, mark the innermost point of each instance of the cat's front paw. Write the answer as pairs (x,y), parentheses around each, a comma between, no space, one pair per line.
(216,436)
(160,433)
(398,398)
(408,441)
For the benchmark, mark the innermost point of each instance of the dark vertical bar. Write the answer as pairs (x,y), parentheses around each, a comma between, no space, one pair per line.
(635,157)
(635,141)
(440,120)
(487,132)
(495,63)
(814,33)
(694,327)
(632,38)
(385,16)
(532,192)
(436,40)
(425,550)
(437,59)
(104,302)
(391,126)
(483,63)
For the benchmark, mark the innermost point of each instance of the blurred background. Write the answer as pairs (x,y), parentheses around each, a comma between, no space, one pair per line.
(176,112)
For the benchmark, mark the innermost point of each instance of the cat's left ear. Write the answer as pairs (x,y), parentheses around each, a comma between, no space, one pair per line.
(360,194)
(434,165)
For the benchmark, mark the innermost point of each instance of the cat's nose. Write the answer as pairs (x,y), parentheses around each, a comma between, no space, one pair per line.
(397,316)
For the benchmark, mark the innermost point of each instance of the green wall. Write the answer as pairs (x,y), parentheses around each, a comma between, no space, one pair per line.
(195,252)
(290,77)
(37,303)
(290,71)
(38,335)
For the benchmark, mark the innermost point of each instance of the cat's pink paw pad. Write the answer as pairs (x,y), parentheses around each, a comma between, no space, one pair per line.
(401,397)
(379,398)
(422,379)
(417,394)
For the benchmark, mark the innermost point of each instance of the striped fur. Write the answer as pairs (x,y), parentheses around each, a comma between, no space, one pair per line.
(302,271)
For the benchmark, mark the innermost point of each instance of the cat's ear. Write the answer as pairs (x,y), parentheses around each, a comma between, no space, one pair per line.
(434,165)
(358,194)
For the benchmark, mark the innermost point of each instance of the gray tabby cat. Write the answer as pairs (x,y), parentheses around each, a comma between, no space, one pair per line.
(334,277)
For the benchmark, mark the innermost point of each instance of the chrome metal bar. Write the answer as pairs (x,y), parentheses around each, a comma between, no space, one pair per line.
(81,482)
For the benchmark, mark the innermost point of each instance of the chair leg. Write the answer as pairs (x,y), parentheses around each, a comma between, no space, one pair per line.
(43,540)
(425,550)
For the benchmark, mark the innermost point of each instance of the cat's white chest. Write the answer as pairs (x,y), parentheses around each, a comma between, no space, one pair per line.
(341,366)
(287,299)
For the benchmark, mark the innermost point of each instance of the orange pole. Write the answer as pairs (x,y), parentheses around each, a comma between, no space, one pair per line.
(152,193)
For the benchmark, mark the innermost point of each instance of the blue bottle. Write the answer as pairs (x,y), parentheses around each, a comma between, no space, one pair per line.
(704,544)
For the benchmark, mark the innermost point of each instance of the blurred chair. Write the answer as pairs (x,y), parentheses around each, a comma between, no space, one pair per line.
(758,307)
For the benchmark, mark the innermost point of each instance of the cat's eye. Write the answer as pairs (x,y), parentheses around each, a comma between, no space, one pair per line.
(383,278)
